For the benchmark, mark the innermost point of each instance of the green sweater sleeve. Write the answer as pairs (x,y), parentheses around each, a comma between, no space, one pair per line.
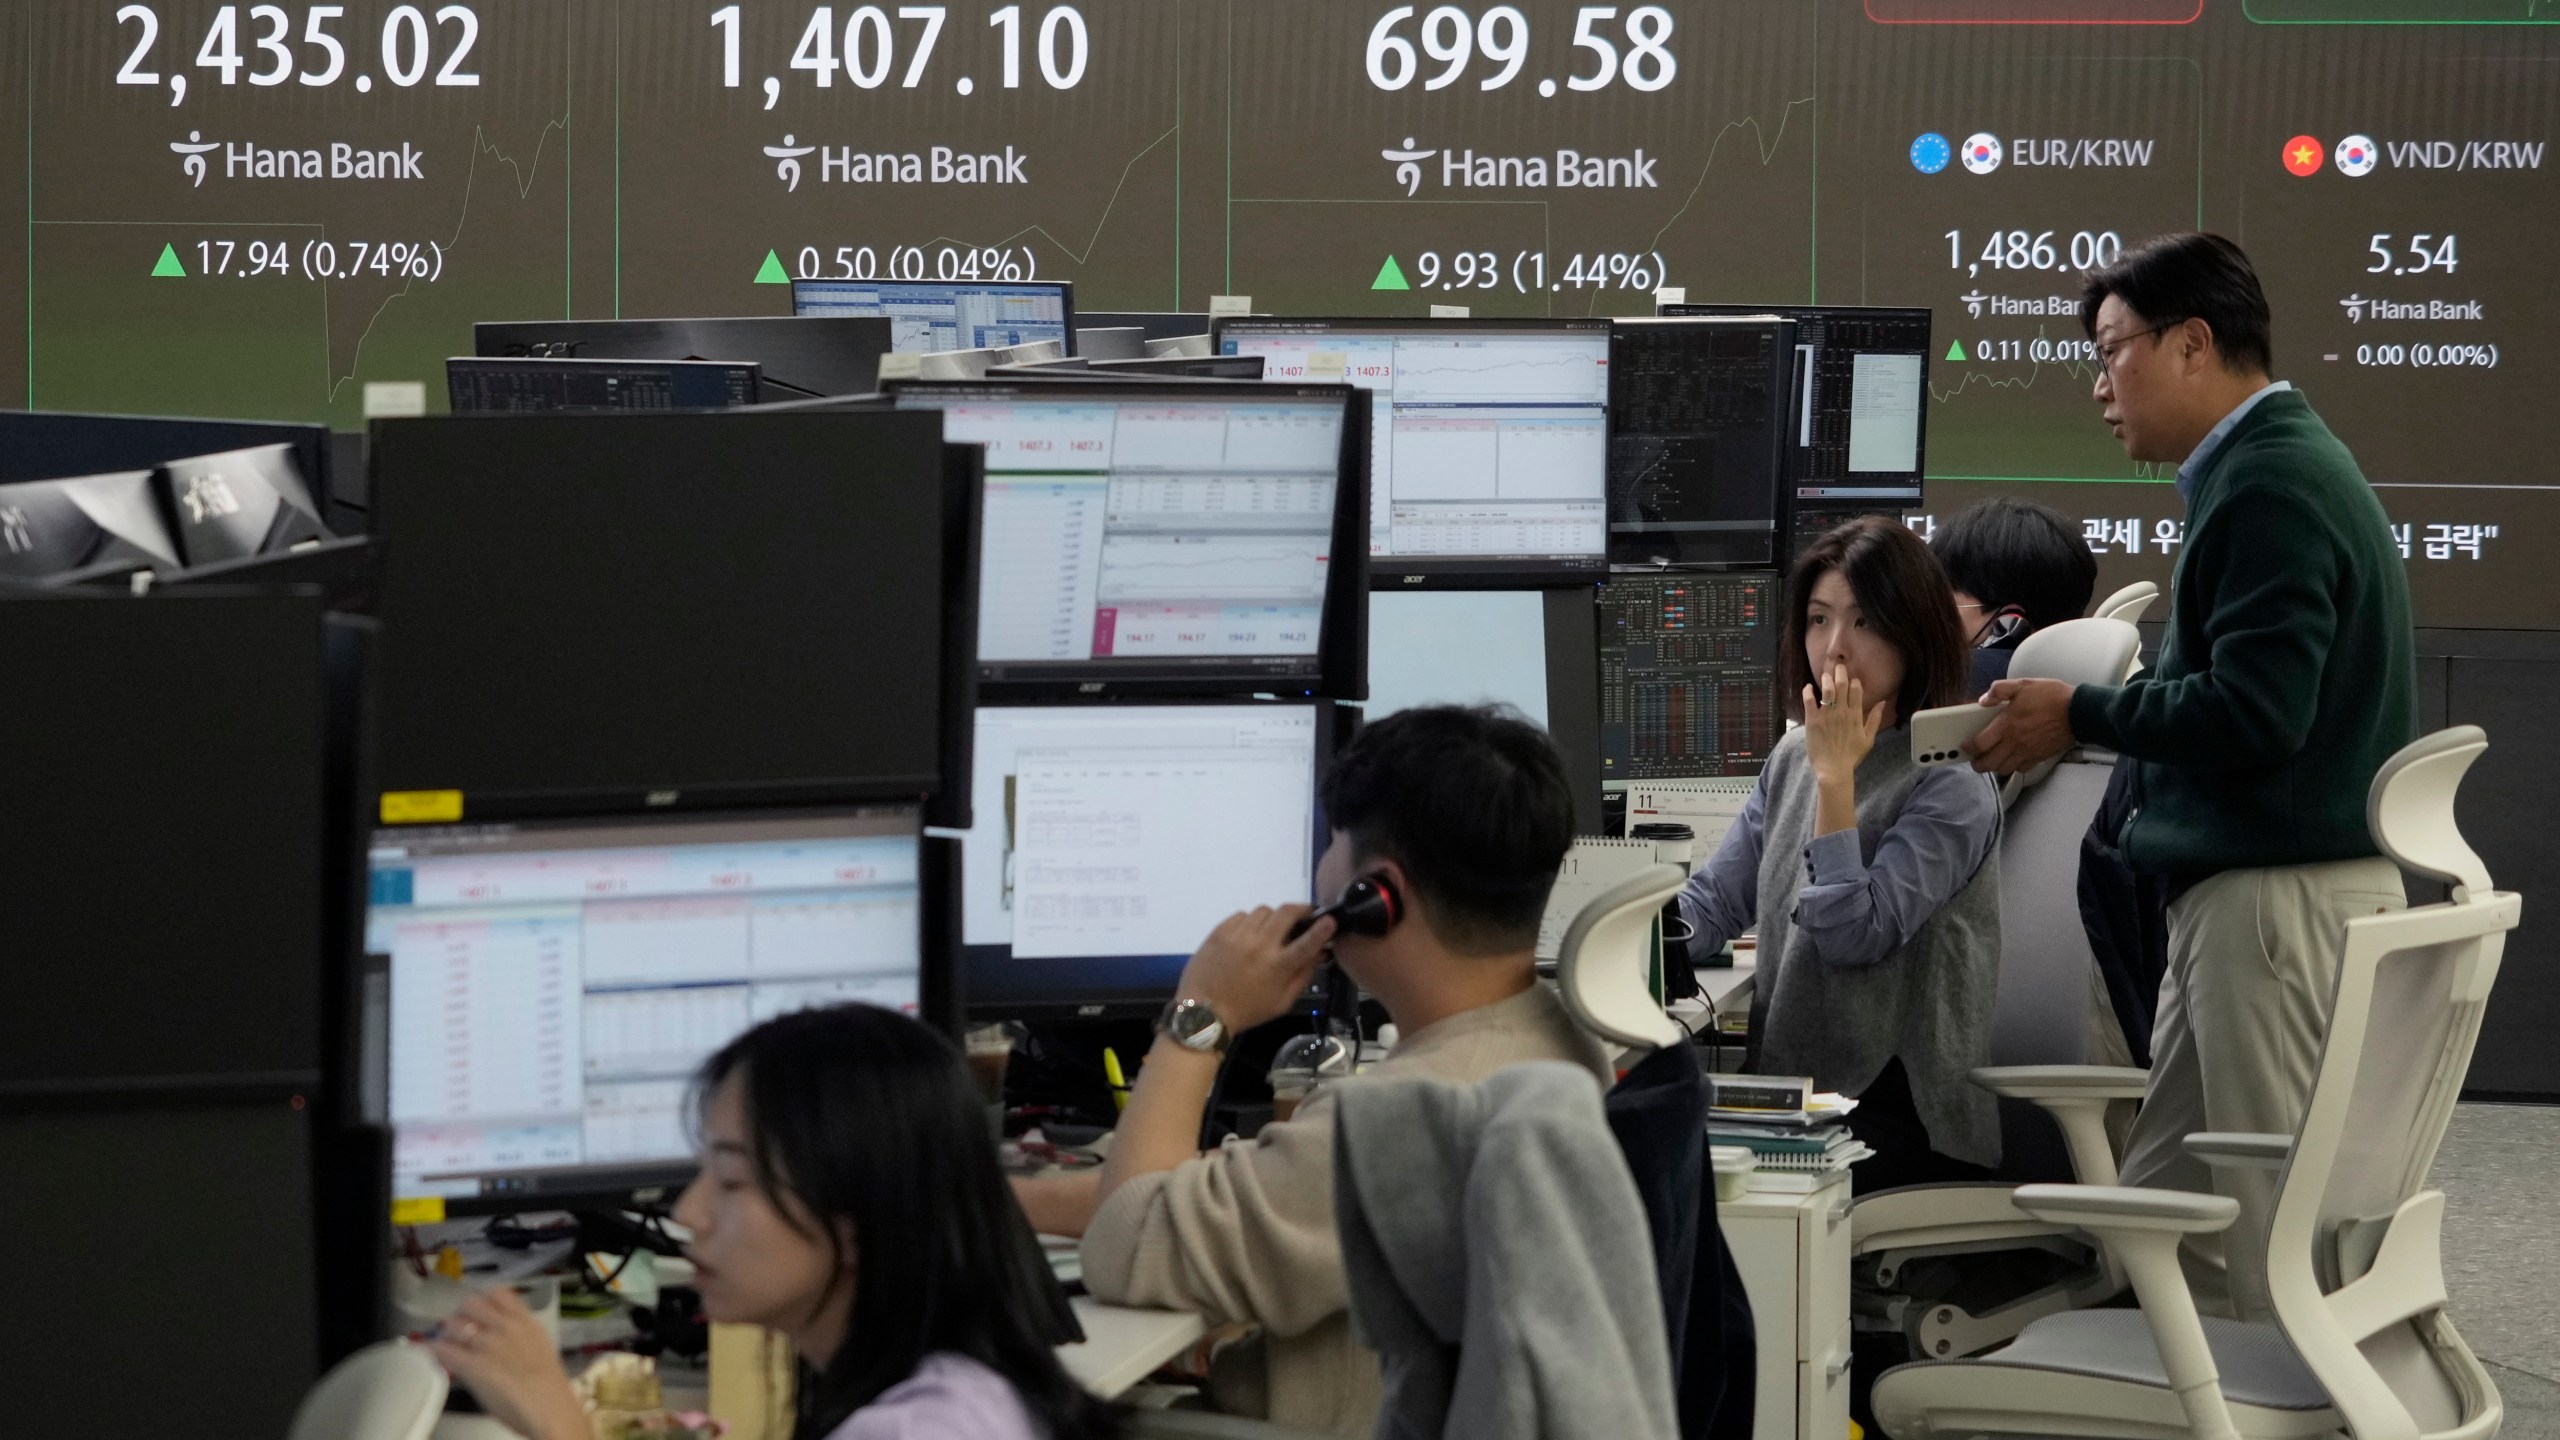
(2269,568)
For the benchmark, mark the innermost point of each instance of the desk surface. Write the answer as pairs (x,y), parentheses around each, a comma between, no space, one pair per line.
(1123,1346)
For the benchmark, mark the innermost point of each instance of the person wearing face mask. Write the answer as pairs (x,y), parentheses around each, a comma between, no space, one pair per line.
(2016,567)
(1870,878)
(850,1199)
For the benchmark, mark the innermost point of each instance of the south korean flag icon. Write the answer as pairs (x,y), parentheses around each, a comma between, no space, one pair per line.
(1981,153)
(2357,155)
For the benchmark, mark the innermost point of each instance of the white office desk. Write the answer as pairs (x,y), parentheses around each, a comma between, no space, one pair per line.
(1123,1346)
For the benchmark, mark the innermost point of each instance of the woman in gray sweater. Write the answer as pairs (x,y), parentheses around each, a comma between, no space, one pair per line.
(1871,880)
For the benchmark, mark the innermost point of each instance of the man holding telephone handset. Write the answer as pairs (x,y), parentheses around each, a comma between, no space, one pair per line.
(1448,828)
(2285,680)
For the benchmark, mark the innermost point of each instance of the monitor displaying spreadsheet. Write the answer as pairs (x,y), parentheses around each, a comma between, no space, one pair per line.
(928,316)
(1162,533)
(553,986)
(1489,439)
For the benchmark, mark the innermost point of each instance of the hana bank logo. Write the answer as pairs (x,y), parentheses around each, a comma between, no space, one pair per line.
(195,147)
(789,153)
(1409,165)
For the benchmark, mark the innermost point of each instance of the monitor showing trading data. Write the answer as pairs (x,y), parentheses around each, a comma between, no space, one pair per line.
(1162,535)
(1698,411)
(554,986)
(926,316)
(1688,675)
(1111,839)
(1489,439)
(1858,401)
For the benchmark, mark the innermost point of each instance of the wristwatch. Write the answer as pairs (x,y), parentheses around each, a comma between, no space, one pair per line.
(1194,1026)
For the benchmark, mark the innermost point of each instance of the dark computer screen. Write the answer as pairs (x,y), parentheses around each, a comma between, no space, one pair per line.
(1167,537)
(240,503)
(798,358)
(1489,439)
(1109,839)
(477,386)
(61,531)
(47,445)
(164,837)
(1158,324)
(1859,386)
(932,315)
(1697,409)
(693,603)
(554,985)
(1688,674)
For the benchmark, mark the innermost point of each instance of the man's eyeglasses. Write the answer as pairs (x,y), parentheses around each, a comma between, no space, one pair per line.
(2109,350)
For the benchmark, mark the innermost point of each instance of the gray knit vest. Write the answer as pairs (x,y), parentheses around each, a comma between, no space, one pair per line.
(1930,1003)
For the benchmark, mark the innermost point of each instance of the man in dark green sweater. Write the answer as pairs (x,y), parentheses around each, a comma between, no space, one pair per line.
(2285,680)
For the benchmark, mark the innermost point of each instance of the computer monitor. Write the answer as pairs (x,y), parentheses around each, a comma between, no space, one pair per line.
(930,315)
(1860,387)
(1111,342)
(1534,650)
(59,532)
(49,445)
(797,358)
(1153,324)
(1164,537)
(1110,839)
(1698,408)
(241,503)
(669,609)
(477,386)
(1688,674)
(554,985)
(1202,367)
(1489,439)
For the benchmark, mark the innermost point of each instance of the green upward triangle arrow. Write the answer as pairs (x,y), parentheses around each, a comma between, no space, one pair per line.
(168,263)
(772,273)
(1956,351)
(1389,277)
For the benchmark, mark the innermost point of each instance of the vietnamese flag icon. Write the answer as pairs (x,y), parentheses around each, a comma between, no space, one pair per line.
(2302,155)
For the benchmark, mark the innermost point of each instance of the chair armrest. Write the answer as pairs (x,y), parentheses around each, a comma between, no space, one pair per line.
(2064,1082)
(2127,1207)
(2234,1148)
(2141,1229)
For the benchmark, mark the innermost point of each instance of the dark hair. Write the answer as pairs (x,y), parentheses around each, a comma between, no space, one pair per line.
(864,1115)
(2005,551)
(2177,278)
(1473,803)
(1903,595)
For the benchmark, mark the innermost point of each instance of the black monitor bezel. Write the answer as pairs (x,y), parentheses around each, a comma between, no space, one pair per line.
(1903,496)
(656,1183)
(630,338)
(1066,296)
(1470,572)
(753,371)
(1342,666)
(1335,724)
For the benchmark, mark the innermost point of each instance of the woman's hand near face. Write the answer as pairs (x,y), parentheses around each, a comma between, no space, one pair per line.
(1839,726)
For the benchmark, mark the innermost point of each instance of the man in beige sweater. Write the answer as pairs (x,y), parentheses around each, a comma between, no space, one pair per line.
(1462,817)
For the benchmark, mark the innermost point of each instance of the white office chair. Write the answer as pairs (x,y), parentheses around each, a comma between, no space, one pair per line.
(2361,1344)
(2056,1041)
(2128,603)
(1604,970)
(391,1391)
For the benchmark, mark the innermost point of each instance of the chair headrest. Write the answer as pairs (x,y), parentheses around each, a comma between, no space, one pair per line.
(2410,808)
(2128,603)
(2094,651)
